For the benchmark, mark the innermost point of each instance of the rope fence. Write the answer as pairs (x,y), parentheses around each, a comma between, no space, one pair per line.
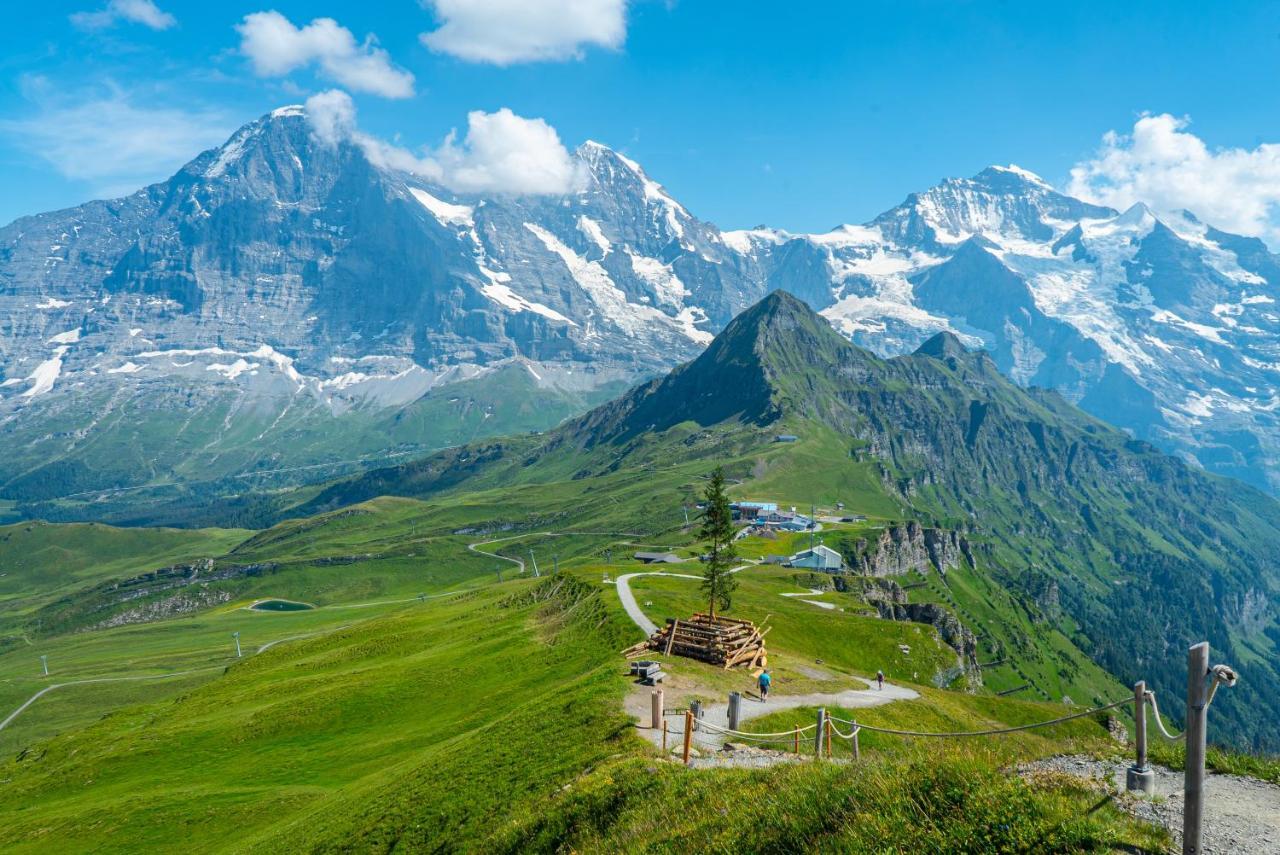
(992,732)
(1202,685)
(1151,699)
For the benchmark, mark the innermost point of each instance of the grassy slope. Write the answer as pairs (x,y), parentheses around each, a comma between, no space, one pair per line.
(39,561)
(393,733)
(174,463)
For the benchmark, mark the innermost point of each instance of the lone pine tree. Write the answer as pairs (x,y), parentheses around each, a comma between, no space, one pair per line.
(717,529)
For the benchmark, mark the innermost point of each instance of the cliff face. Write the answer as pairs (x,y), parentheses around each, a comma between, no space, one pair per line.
(949,628)
(901,549)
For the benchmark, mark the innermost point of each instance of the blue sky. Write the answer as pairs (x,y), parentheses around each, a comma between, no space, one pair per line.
(801,116)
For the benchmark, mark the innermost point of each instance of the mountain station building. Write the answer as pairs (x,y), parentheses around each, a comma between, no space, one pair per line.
(821,557)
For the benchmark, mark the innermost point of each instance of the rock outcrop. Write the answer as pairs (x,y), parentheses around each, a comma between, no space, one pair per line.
(949,628)
(909,547)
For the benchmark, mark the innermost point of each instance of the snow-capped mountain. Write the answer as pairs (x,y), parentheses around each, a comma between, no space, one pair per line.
(283,305)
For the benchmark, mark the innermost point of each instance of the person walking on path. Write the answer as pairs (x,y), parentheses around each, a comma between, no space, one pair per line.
(764,682)
(880,680)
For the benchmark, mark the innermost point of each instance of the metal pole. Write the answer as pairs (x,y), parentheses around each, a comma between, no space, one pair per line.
(664,737)
(857,752)
(655,707)
(1140,779)
(797,735)
(822,726)
(236,636)
(695,709)
(688,734)
(1197,719)
(735,704)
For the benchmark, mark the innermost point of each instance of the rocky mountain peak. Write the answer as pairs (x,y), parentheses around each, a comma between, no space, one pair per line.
(944,345)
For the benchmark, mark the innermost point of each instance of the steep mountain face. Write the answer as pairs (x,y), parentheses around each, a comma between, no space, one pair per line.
(279,305)
(1167,329)
(1130,553)
(284,306)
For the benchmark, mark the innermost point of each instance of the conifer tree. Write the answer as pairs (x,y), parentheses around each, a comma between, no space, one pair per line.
(718,583)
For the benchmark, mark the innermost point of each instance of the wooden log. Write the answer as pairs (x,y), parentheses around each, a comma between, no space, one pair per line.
(671,637)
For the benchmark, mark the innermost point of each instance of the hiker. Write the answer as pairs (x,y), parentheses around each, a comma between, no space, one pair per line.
(880,679)
(765,680)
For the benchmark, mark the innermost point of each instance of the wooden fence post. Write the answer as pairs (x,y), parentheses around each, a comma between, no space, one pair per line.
(735,705)
(695,709)
(828,739)
(857,752)
(655,708)
(797,734)
(664,737)
(1139,778)
(817,739)
(688,734)
(1193,777)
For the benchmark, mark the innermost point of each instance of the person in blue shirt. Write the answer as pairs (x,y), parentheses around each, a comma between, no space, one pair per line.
(765,680)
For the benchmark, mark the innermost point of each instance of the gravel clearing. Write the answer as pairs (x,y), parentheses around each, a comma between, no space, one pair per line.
(1241,815)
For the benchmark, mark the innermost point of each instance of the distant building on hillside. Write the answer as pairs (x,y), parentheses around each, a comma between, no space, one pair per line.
(784,521)
(821,557)
(786,437)
(657,557)
(752,510)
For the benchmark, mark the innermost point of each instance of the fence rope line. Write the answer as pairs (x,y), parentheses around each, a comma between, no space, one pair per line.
(1151,697)
(780,733)
(992,732)
(853,731)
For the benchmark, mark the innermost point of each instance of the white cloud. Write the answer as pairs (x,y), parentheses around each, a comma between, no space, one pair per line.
(113,145)
(504,32)
(1170,169)
(276,47)
(144,12)
(332,116)
(502,153)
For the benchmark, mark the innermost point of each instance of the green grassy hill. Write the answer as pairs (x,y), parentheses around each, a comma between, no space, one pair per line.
(492,721)
(433,697)
(1084,538)
(143,467)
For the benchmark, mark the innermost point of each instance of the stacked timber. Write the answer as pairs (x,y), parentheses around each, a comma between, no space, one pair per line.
(716,640)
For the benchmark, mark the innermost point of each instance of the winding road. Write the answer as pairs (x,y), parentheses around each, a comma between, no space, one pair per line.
(38,695)
(632,608)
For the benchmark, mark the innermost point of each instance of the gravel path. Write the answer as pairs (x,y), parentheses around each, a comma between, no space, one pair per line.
(1241,815)
(710,742)
(629,603)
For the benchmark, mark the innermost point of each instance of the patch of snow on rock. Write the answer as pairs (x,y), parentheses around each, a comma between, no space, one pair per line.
(46,374)
(446,212)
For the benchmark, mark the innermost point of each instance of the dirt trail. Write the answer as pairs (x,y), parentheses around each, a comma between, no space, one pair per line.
(1241,815)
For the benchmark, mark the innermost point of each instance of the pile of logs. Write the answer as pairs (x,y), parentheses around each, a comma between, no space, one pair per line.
(717,641)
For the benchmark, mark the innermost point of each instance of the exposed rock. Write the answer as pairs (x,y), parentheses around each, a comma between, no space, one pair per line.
(955,634)
(902,549)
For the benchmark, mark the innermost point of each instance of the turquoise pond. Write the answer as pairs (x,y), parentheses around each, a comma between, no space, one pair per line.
(281,606)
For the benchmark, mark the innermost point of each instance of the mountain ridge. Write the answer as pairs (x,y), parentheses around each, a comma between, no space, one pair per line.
(1131,539)
(278,284)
